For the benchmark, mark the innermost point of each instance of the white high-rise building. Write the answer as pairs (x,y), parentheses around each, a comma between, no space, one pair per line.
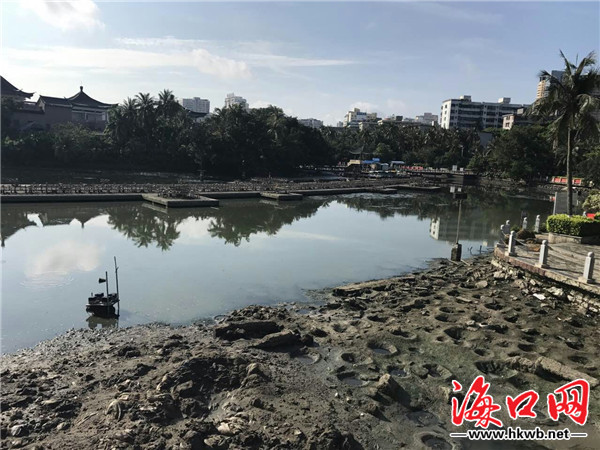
(196,104)
(464,113)
(233,99)
(313,123)
(354,117)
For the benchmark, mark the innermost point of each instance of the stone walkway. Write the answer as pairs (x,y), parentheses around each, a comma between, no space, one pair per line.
(565,263)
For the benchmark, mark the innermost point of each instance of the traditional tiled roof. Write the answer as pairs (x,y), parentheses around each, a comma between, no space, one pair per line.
(82,99)
(55,101)
(8,89)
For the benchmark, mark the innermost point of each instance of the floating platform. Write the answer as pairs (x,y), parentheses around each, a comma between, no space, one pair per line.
(331,191)
(281,196)
(408,187)
(180,202)
(385,190)
(60,198)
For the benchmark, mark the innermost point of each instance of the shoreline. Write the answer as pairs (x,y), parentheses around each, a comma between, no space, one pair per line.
(370,366)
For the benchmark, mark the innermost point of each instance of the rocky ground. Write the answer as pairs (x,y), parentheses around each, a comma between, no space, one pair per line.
(369,366)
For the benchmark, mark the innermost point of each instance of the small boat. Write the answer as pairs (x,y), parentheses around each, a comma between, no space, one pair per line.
(103,305)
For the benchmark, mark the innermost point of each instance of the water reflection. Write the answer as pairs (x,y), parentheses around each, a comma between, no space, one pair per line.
(237,221)
(176,268)
(102,322)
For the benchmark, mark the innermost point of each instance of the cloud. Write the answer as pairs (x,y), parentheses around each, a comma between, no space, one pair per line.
(222,67)
(119,59)
(67,15)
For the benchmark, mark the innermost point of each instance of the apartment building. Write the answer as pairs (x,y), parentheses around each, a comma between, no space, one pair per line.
(465,113)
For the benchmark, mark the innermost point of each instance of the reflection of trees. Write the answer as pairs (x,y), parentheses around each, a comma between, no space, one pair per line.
(233,222)
(145,226)
(421,205)
(237,221)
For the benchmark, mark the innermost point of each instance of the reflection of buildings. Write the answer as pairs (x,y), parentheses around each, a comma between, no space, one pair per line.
(444,229)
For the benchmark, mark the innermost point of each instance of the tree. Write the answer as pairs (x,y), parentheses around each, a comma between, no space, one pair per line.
(571,103)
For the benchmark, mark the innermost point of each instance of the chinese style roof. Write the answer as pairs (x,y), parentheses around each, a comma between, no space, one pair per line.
(8,89)
(82,99)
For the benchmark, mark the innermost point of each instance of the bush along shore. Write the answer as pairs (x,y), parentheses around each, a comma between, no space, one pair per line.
(368,365)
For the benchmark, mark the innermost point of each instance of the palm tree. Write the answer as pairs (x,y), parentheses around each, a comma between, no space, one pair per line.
(571,104)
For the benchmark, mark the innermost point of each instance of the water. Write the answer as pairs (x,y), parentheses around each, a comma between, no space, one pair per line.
(188,264)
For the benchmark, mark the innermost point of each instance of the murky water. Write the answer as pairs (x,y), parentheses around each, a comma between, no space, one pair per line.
(178,266)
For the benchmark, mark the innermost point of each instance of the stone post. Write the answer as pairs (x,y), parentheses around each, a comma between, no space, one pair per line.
(524,223)
(536,228)
(506,227)
(543,262)
(512,241)
(588,269)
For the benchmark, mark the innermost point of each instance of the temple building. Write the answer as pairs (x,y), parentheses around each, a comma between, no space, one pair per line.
(49,111)
(10,91)
(80,108)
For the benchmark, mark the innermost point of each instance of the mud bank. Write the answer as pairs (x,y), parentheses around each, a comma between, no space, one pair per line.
(370,366)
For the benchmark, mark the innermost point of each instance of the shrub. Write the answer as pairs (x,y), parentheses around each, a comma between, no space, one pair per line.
(573,226)
(524,234)
(515,228)
(592,202)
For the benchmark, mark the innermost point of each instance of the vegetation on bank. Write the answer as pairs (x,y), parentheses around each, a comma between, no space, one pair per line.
(573,225)
(159,134)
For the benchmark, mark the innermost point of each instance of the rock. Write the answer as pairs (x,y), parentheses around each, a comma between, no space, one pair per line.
(284,338)
(557,292)
(246,330)
(499,275)
(547,365)
(481,284)
(318,332)
(19,430)
(372,408)
(540,296)
(185,390)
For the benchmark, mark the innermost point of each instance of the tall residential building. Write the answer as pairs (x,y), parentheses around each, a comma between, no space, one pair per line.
(545,83)
(428,119)
(313,123)
(233,99)
(464,113)
(354,117)
(196,104)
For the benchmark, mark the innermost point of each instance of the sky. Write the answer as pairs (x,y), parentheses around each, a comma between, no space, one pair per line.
(312,59)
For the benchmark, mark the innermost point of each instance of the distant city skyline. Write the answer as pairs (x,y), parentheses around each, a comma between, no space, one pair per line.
(314,60)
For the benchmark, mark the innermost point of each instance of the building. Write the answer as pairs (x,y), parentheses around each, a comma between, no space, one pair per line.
(354,117)
(519,118)
(79,108)
(464,113)
(10,91)
(48,111)
(233,99)
(313,123)
(545,82)
(428,119)
(196,104)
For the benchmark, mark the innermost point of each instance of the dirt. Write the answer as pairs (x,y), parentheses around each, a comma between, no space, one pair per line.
(368,366)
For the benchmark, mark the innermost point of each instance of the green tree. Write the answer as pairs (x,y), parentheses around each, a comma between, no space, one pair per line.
(571,103)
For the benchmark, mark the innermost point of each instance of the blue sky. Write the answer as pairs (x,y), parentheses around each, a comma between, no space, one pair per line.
(312,59)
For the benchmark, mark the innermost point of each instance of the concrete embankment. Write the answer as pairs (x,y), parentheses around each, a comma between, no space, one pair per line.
(209,198)
(370,365)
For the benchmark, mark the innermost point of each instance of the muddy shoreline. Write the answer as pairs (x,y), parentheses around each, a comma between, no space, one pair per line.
(369,366)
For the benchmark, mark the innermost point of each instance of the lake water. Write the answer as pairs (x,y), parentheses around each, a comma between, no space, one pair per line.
(182,265)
